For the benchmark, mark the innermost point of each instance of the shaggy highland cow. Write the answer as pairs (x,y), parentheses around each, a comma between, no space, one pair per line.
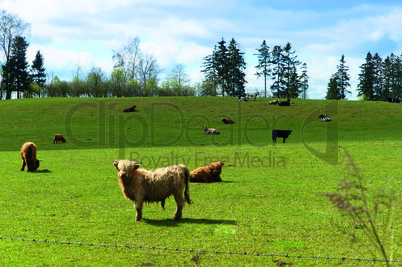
(228,121)
(208,174)
(58,138)
(140,185)
(130,109)
(210,130)
(28,156)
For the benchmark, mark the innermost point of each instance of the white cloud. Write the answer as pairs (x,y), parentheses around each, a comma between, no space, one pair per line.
(184,32)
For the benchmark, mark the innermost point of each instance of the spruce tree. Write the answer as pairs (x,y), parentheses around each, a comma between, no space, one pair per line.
(367,79)
(278,72)
(290,75)
(264,60)
(333,92)
(38,71)
(236,67)
(343,78)
(18,55)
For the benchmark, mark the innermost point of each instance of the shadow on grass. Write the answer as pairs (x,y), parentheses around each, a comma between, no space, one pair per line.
(42,171)
(173,223)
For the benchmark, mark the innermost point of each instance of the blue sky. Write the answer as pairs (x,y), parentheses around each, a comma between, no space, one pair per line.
(84,33)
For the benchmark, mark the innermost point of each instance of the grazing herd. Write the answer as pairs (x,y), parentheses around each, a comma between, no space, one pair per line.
(140,185)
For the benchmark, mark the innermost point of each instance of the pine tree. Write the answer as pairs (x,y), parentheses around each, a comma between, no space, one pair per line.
(210,73)
(367,78)
(278,72)
(38,71)
(333,92)
(15,71)
(343,78)
(304,81)
(236,67)
(225,69)
(378,77)
(264,60)
(221,66)
(8,77)
(291,77)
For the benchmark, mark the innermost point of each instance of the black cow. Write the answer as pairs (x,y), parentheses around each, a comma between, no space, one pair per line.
(280,134)
(284,103)
(393,100)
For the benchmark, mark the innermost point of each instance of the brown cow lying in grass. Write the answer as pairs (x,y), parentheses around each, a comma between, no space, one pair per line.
(58,138)
(130,109)
(208,174)
(210,130)
(28,156)
(228,121)
(140,185)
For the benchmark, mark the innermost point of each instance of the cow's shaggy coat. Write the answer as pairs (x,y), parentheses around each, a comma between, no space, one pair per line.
(130,109)
(228,121)
(280,133)
(210,130)
(28,156)
(58,138)
(208,174)
(140,185)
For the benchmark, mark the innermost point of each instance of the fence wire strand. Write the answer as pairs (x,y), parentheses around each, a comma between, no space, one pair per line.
(200,250)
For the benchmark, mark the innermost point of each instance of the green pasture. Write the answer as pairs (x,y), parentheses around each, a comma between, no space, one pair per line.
(269,203)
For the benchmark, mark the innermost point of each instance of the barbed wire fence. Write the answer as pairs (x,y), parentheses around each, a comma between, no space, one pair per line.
(307,257)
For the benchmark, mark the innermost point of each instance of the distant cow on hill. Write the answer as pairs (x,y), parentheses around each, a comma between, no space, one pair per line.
(324,118)
(130,109)
(208,174)
(274,102)
(58,138)
(140,185)
(253,95)
(280,134)
(228,121)
(28,156)
(242,98)
(284,103)
(210,130)
(393,100)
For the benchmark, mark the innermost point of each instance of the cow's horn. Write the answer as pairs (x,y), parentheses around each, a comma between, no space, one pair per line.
(222,160)
(116,161)
(40,160)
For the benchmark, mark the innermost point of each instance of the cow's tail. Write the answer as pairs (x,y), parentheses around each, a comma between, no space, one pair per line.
(187,188)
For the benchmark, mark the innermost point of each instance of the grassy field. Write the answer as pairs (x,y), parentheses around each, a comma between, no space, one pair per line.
(269,203)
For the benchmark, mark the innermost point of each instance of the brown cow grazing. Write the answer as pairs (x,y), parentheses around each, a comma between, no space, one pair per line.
(210,130)
(28,156)
(228,121)
(130,109)
(58,138)
(140,185)
(208,174)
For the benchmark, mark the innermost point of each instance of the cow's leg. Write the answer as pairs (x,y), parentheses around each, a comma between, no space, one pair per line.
(178,197)
(284,139)
(138,208)
(23,165)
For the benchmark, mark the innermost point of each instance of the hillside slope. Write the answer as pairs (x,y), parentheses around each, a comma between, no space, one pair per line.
(178,121)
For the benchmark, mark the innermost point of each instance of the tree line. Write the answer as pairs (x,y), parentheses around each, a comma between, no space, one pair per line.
(224,71)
